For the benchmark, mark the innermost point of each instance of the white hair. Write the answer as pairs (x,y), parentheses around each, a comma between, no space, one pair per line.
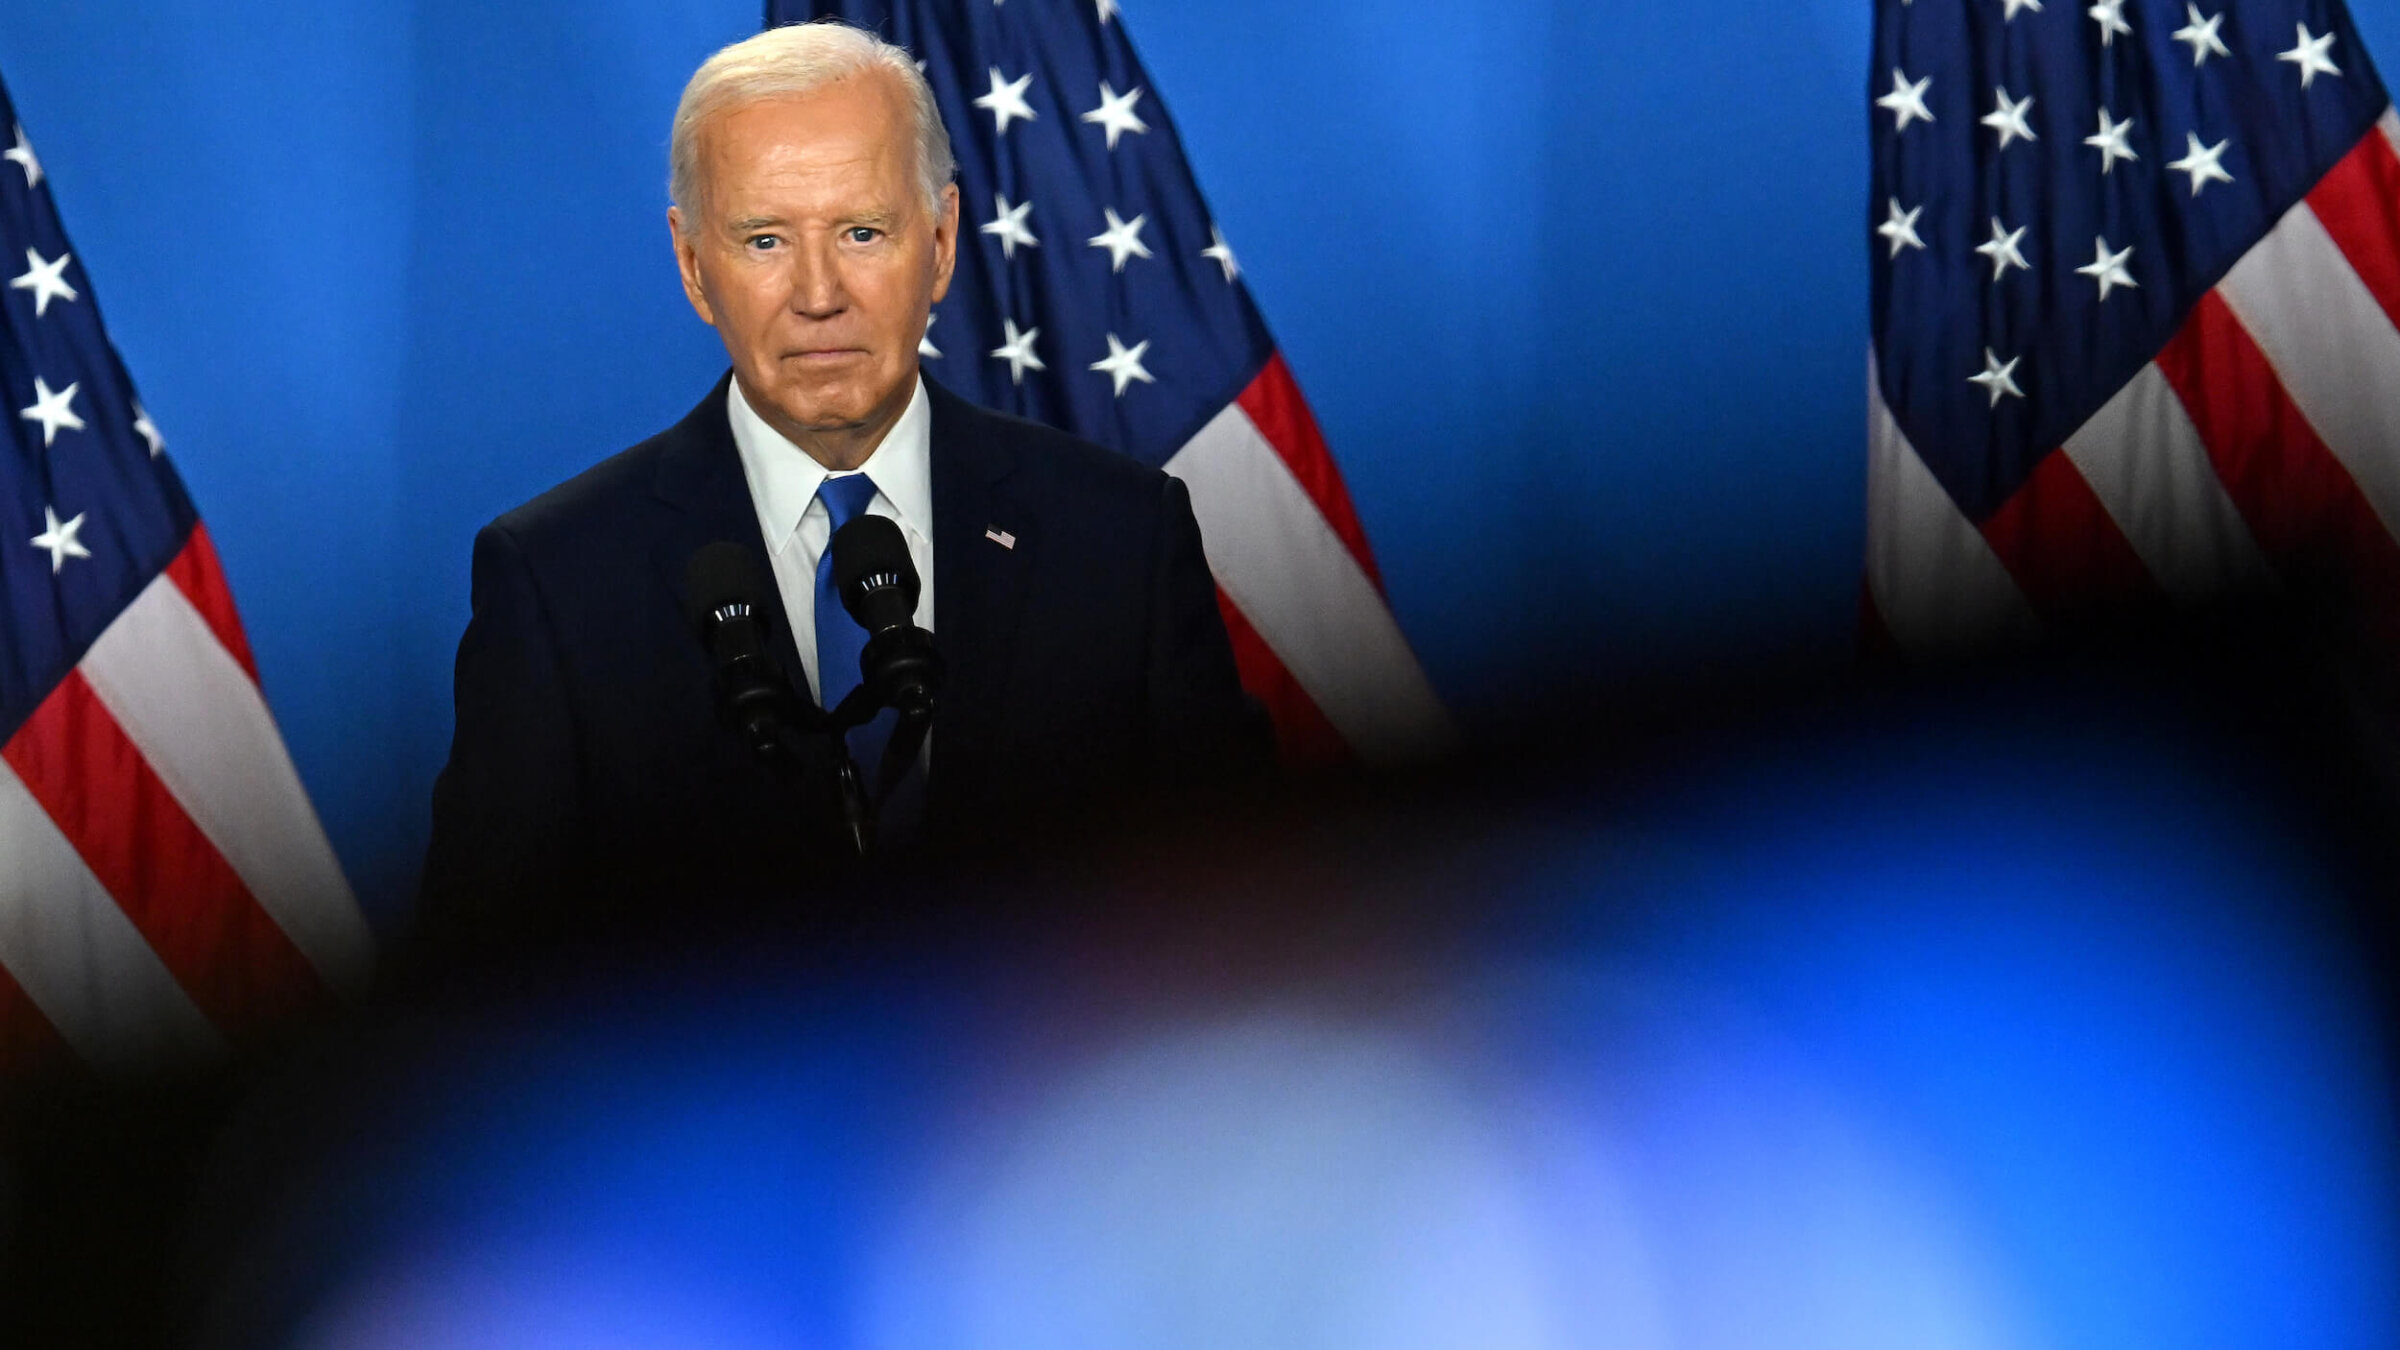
(798,59)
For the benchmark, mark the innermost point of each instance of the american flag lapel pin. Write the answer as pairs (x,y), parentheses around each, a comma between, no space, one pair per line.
(1000,536)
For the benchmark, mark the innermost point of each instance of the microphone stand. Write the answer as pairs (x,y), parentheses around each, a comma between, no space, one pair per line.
(857,708)
(858,814)
(899,665)
(860,811)
(773,719)
(774,731)
(908,737)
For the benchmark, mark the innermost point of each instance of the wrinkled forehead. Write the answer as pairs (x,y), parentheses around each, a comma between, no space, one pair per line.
(853,134)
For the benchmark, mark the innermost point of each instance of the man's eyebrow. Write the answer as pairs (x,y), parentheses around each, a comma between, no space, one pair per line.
(749,223)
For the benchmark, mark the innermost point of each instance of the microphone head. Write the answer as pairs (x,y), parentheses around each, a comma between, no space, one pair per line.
(721,575)
(873,573)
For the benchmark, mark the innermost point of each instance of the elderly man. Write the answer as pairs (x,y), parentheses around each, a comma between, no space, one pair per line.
(591,776)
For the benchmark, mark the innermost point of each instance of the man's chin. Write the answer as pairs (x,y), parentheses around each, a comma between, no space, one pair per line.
(820,411)
(837,403)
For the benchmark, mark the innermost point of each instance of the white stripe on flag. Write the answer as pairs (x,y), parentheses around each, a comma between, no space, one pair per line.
(2335,352)
(1299,586)
(2389,125)
(202,724)
(2145,461)
(1934,577)
(76,955)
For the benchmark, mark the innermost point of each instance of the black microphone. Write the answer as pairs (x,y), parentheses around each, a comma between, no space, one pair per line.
(725,598)
(878,584)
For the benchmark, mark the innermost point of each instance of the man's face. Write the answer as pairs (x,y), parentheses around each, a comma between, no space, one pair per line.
(816,260)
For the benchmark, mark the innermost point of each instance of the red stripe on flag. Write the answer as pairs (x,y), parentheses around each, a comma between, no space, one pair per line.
(2358,203)
(1276,407)
(2302,506)
(187,902)
(199,576)
(2064,549)
(28,1042)
(1303,736)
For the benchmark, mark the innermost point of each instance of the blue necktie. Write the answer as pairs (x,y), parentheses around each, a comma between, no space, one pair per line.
(840,639)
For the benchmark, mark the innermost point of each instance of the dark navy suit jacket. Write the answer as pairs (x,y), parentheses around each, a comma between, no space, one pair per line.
(590,775)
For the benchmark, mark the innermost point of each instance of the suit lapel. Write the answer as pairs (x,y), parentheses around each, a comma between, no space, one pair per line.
(700,476)
(984,544)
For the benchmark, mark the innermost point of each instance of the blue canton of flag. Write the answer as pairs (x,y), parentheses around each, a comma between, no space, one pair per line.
(2134,270)
(1094,292)
(82,470)
(163,879)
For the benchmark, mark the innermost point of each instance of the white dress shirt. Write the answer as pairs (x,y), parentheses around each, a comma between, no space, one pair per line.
(783,486)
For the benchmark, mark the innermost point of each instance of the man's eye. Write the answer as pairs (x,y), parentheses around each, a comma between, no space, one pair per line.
(762,242)
(864,234)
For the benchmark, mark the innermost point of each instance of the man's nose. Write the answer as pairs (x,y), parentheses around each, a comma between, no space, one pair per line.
(817,282)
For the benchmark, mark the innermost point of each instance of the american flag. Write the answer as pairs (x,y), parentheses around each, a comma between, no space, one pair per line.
(2136,273)
(1095,292)
(164,882)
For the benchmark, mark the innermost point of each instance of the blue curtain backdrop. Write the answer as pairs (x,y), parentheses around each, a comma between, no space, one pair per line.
(1577,290)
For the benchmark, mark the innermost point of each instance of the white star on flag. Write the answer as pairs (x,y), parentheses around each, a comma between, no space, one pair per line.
(1007,100)
(60,539)
(2111,141)
(1009,226)
(2201,162)
(2002,249)
(1906,101)
(2110,15)
(1018,351)
(46,280)
(1997,378)
(1221,253)
(52,410)
(147,430)
(1122,239)
(1901,228)
(1116,114)
(2310,56)
(2009,118)
(2013,6)
(925,345)
(2201,33)
(2108,268)
(22,153)
(1124,365)
(1108,10)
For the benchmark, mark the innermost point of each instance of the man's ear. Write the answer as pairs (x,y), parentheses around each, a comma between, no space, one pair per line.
(945,243)
(687,261)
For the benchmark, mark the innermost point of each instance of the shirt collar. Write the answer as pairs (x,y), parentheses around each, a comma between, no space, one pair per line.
(784,478)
